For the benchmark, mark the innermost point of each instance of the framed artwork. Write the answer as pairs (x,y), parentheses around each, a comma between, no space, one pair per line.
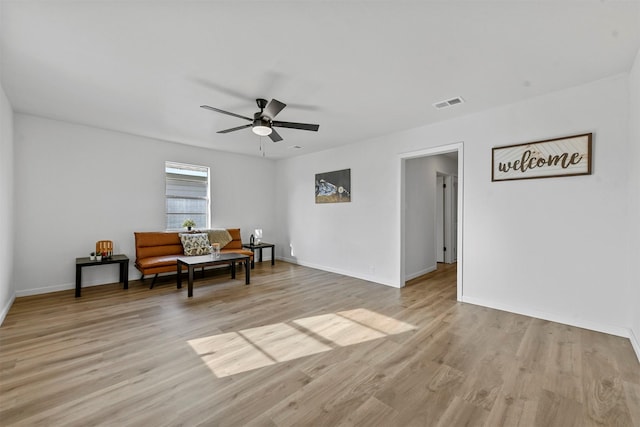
(333,187)
(550,158)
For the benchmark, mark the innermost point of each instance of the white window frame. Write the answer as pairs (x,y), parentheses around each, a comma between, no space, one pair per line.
(196,170)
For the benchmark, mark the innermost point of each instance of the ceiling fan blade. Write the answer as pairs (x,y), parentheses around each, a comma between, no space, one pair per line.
(275,136)
(236,128)
(225,112)
(301,126)
(273,108)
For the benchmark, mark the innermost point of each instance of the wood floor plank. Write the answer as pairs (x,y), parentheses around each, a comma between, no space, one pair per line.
(632,395)
(303,347)
(371,413)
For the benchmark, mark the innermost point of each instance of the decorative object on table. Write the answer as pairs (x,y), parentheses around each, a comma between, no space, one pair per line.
(99,257)
(195,243)
(550,158)
(258,234)
(333,187)
(104,248)
(189,223)
(92,256)
(252,240)
(216,250)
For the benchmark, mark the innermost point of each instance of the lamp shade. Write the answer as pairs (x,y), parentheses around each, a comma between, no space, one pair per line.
(261,127)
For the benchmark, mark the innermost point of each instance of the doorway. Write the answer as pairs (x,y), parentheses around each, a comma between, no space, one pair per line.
(451,202)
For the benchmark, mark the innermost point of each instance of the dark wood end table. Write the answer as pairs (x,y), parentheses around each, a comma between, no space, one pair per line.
(88,262)
(260,246)
(193,262)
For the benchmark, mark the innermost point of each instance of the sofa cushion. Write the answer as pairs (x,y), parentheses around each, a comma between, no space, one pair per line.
(238,251)
(151,244)
(158,261)
(220,236)
(195,244)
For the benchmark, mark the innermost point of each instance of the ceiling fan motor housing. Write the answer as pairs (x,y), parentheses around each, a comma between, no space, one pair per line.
(260,116)
(260,120)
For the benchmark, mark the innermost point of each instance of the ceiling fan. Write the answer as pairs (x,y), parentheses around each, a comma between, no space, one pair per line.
(262,123)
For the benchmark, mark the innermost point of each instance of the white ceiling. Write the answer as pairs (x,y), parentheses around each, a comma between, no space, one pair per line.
(358,68)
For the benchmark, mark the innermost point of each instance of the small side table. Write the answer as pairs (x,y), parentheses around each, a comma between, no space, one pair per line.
(115,259)
(260,246)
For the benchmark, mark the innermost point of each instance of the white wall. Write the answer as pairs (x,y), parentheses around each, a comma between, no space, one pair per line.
(634,201)
(76,185)
(349,238)
(7,224)
(420,211)
(541,247)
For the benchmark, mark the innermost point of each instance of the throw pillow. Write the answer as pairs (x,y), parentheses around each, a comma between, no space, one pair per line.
(195,244)
(221,236)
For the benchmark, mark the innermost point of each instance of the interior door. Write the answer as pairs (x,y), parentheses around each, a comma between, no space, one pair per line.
(440,218)
(454,219)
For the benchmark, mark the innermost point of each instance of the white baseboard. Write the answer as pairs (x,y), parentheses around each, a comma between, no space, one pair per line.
(102,280)
(635,343)
(571,321)
(48,289)
(368,278)
(558,318)
(6,308)
(421,272)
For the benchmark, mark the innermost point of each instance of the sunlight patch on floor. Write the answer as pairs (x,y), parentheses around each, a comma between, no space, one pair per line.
(338,329)
(235,352)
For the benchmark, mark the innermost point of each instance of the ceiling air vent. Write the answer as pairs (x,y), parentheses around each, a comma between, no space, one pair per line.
(448,103)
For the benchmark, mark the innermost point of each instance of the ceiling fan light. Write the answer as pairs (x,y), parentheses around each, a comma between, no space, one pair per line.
(262,130)
(261,127)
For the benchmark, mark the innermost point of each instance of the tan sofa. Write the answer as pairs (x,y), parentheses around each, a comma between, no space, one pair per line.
(157,251)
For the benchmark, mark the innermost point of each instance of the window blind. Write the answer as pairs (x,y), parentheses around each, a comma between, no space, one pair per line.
(186,195)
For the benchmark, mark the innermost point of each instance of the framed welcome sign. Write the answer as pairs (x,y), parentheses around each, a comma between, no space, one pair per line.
(550,158)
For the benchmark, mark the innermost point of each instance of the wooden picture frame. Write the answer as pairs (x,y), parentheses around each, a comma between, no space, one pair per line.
(550,158)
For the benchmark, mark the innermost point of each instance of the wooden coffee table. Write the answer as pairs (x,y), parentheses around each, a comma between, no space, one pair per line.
(193,262)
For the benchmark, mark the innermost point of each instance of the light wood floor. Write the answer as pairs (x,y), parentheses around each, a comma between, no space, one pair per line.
(302,347)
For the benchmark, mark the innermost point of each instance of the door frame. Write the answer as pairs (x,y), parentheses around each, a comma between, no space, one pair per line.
(434,151)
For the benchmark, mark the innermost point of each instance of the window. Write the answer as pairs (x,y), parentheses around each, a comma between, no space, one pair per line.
(187,195)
